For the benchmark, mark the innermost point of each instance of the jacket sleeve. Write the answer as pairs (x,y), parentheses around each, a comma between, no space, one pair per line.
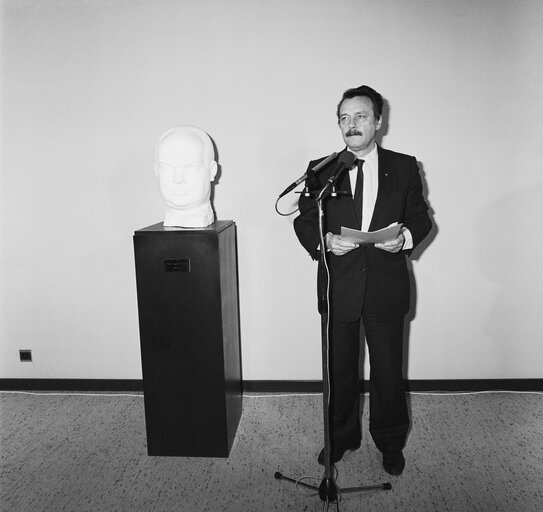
(416,217)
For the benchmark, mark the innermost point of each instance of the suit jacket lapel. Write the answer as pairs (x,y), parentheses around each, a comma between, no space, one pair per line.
(385,164)
(344,184)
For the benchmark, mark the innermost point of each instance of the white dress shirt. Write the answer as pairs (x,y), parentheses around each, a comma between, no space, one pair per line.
(371,185)
(369,192)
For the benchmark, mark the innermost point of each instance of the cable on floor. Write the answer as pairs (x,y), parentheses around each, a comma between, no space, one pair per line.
(425,393)
(272,395)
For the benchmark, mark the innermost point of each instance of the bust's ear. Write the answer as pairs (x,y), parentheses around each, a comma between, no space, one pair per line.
(213,170)
(155,167)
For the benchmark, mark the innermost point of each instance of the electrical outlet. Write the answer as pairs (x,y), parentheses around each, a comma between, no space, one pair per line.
(25,355)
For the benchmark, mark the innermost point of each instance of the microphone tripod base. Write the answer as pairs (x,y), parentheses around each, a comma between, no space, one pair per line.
(328,490)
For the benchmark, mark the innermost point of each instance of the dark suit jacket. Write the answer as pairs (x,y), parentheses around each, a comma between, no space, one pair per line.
(368,278)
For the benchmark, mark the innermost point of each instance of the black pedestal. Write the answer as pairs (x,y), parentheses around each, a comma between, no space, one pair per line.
(189,331)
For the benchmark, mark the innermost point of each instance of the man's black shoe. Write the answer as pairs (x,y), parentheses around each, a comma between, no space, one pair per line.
(336,455)
(394,463)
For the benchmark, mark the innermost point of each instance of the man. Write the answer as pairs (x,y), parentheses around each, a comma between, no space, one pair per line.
(369,283)
(185,165)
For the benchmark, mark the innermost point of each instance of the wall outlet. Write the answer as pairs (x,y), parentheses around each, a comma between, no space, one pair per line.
(25,355)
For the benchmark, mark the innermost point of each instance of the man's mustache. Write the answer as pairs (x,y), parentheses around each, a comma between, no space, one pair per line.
(353,132)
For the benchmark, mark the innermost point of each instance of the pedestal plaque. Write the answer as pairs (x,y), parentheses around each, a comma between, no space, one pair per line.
(189,332)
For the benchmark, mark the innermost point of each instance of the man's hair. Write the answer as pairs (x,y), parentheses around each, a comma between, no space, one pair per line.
(366,91)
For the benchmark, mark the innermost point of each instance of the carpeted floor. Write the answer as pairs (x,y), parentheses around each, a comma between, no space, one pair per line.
(481,452)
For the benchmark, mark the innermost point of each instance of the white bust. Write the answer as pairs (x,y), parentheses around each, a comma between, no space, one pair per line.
(185,165)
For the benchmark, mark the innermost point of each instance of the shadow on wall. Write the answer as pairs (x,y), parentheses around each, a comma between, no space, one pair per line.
(217,179)
(415,255)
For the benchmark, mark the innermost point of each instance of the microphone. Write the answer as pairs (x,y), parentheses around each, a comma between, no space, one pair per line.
(316,168)
(345,161)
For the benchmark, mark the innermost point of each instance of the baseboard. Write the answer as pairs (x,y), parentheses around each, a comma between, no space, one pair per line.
(114,385)
(271,386)
(454,385)
(476,385)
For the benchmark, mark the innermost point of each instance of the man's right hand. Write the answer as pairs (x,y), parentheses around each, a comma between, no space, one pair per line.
(336,245)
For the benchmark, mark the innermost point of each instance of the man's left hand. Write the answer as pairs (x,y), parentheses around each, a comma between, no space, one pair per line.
(392,245)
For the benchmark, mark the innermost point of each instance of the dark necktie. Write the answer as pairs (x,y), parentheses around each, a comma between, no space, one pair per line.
(358,191)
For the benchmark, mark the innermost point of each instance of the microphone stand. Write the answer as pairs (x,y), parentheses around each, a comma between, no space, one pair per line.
(328,490)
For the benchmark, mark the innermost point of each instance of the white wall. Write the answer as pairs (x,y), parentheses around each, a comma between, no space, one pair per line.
(88,87)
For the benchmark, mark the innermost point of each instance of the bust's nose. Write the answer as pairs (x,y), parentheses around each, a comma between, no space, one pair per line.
(179,175)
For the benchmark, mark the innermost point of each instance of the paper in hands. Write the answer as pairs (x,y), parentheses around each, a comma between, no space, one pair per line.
(372,237)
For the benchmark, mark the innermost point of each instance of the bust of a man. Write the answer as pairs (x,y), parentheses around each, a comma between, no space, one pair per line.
(185,165)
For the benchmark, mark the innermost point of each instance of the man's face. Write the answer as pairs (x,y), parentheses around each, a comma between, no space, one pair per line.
(358,124)
(183,174)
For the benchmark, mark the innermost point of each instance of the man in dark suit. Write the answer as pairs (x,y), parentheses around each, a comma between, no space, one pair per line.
(369,284)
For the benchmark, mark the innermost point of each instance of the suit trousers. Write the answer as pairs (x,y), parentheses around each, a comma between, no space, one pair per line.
(389,418)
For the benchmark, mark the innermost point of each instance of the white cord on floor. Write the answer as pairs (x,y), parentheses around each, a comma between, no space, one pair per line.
(67,393)
(426,393)
(272,395)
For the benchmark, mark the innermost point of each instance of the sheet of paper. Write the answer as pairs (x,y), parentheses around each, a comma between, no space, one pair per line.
(373,237)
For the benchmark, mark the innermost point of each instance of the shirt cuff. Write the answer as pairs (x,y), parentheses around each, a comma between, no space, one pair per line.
(408,244)
(326,240)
